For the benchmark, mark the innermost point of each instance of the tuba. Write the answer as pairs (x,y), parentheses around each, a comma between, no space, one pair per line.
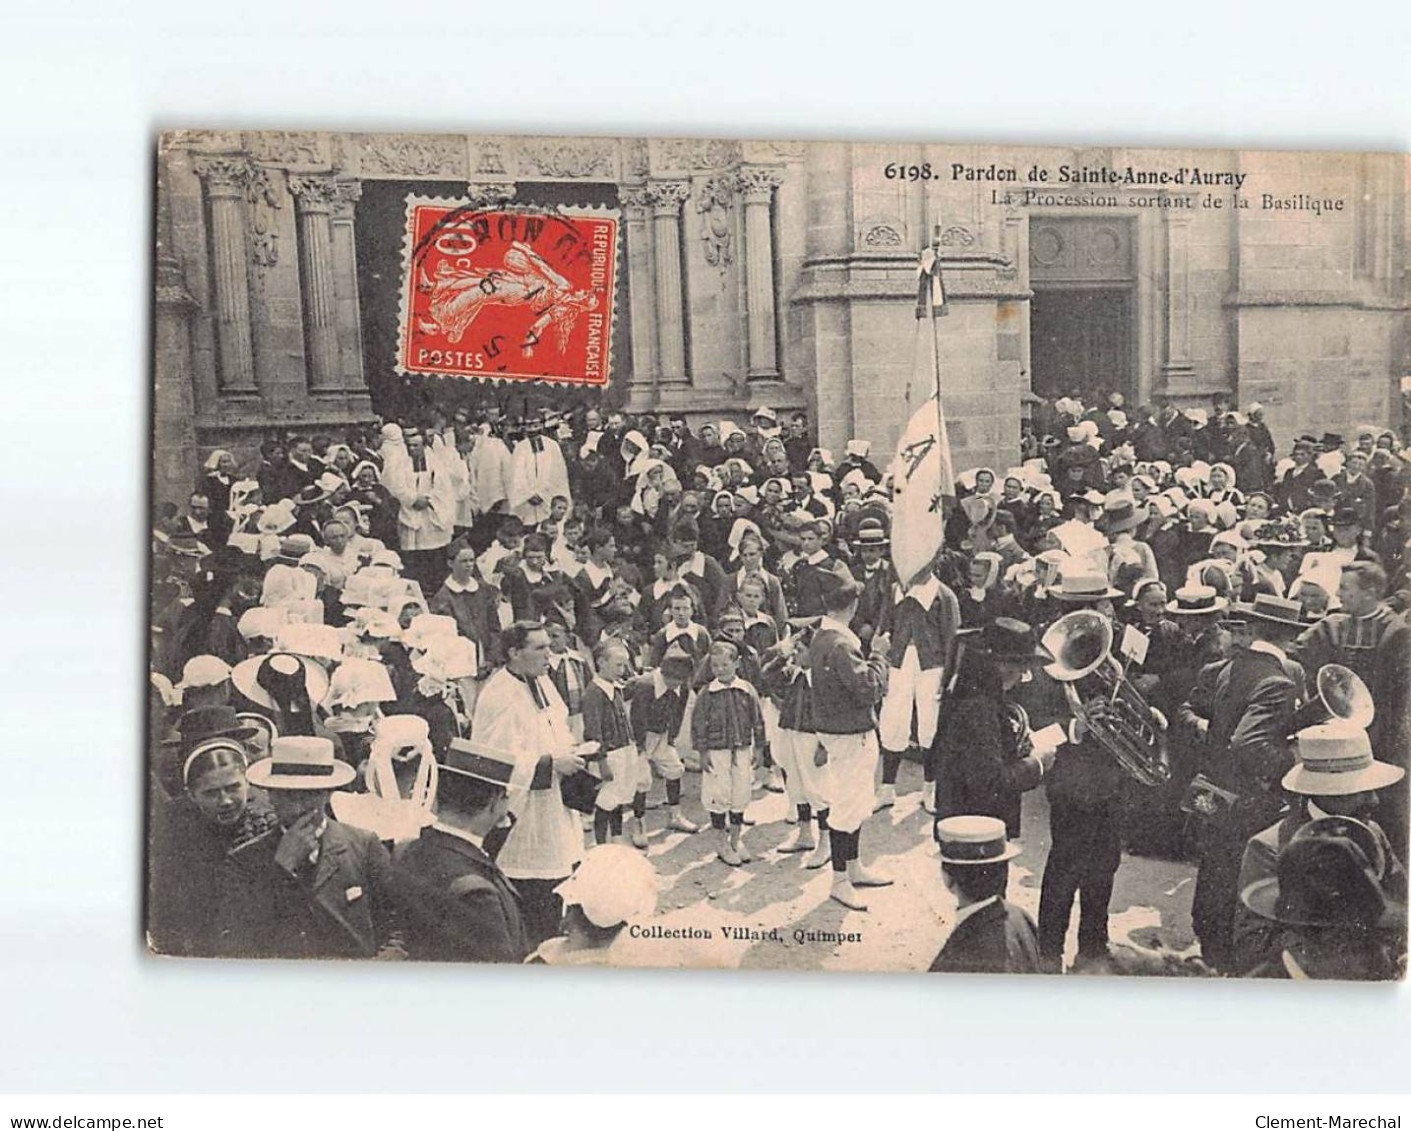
(1130,730)
(1339,695)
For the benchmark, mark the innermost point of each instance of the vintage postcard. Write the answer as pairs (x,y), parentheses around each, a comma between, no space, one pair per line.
(744,554)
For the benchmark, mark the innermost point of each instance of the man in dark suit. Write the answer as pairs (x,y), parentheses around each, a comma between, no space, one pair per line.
(990,935)
(312,887)
(461,906)
(1244,709)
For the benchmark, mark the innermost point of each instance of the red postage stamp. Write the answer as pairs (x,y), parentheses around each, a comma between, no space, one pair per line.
(508,293)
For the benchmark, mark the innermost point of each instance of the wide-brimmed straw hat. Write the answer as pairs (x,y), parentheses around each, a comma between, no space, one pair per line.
(1335,759)
(300,762)
(246,676)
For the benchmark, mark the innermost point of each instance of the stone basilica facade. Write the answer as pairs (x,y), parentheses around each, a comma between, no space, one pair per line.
(784,274)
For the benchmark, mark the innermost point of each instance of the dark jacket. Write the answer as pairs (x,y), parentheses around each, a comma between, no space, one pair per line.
(998,939)
(341,907)
(980,769)
(846,687)
(459,907)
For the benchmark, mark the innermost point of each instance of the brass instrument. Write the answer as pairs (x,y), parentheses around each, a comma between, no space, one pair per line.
(1017,720)
(1343,695)
(1129,729)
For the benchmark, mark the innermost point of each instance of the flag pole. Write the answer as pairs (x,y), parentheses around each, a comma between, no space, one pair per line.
(935,327)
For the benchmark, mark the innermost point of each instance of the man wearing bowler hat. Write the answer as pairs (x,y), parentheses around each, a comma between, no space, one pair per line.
(990,936)
(465,910)
(1243,709)
(313,887)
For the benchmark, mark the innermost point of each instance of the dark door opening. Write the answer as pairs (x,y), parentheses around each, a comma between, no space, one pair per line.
(1081,342)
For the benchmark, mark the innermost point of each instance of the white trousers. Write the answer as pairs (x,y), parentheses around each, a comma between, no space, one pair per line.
(804,783)
(627,766)
(910,686)
(725,787)
(661,756)
(852,765)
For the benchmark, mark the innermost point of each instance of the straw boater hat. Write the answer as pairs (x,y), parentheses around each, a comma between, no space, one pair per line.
(871,533)
(1081,582)
(1335,759)
(974,840)
(300,762)
(1275,610)
(246,676)
(614,885)
(1195,600)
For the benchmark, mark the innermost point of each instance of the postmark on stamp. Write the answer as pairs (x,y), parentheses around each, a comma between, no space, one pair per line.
(508,293)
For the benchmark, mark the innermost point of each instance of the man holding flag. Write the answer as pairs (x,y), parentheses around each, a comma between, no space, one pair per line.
(925,615)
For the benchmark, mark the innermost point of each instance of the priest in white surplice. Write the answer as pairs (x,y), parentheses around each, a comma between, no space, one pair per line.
(537,473)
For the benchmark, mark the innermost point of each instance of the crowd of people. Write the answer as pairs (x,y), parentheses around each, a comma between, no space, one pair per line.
(429,688)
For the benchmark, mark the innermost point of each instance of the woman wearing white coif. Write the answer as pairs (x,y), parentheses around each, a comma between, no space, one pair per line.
(1221,488)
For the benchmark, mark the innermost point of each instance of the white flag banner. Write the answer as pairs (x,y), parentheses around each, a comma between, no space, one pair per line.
(922,477)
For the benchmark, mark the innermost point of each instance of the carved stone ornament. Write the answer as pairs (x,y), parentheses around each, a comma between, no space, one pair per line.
(758,182)
(882,235)
(713,202)
(313,193)
(957,235)
(223,174)
(491,159)
(489,194)
(666,197)
(414,155)
(553,157)
(346,195)
(288,147)
(636,199)
(635,157)
(713,153)
(264,203)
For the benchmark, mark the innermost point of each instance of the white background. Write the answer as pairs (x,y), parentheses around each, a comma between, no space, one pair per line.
(83,88)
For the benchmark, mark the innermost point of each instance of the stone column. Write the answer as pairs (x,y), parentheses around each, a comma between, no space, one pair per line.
(173,401)
(757,184)
(1178,298)
(641,286)
(226,179)
(345,285)
(313,205)
(667,198)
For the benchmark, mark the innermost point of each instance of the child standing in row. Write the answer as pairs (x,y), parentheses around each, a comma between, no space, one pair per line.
(727,731)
